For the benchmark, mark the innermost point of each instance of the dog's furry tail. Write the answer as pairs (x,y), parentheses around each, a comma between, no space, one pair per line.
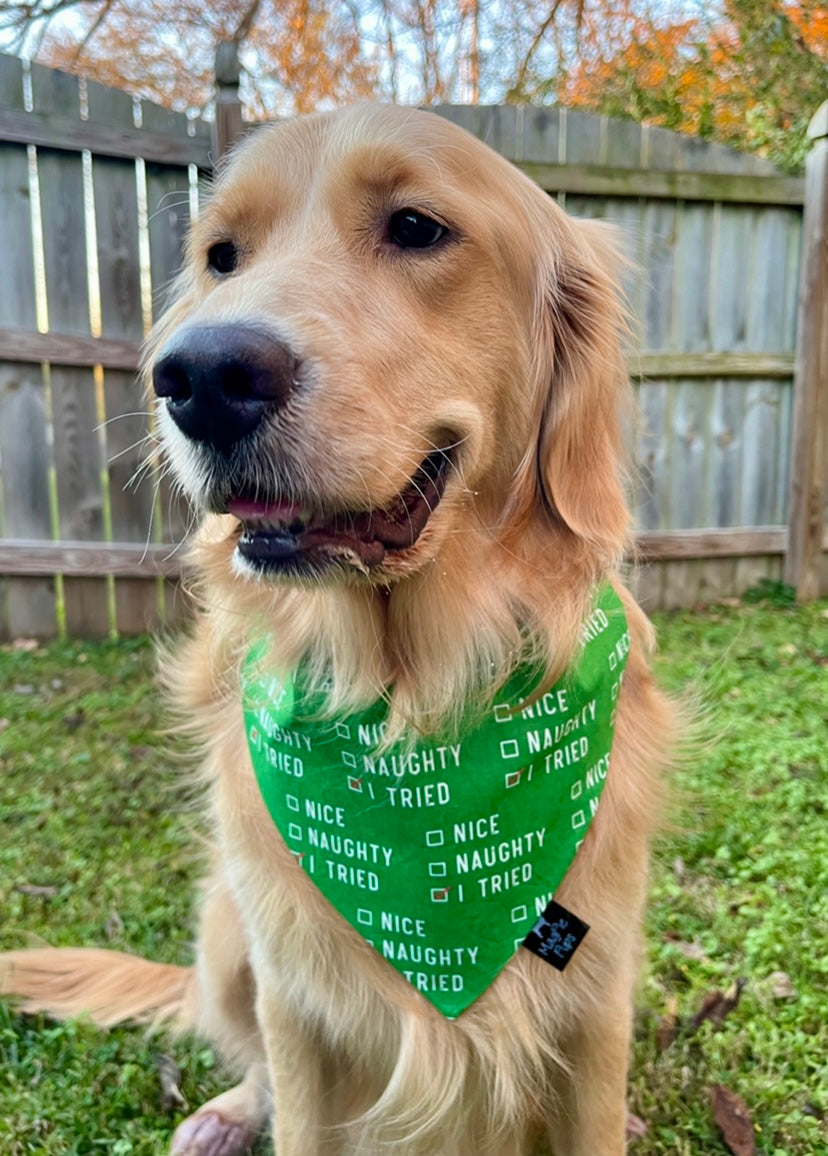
(110,987)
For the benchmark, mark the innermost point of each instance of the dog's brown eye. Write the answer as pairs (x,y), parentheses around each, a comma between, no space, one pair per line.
(412,230)
(223,258)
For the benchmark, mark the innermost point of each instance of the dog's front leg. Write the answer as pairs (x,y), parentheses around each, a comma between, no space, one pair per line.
(591,1114)
(305,1120)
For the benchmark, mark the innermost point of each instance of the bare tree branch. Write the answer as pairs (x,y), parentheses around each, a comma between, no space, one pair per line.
(516,90)
(93,28)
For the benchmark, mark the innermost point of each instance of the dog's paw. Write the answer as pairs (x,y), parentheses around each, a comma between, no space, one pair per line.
(207,1133)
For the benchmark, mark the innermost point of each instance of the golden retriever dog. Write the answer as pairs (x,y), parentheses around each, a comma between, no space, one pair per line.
(392,380)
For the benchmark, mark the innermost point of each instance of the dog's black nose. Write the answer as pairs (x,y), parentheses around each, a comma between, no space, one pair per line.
(221,380)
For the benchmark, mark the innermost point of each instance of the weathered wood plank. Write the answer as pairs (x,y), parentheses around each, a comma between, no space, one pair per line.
(131,501)
(116,216)
(730,282)
(114,353)
(127,559)
(60,177)
(763,456)
(586,139)
(24,453)
(498,127)
(727,449)
(76,449)
(168,211)
(116,210)
(737,542)
(542,138)
(768,261)
(688,455)
(168,204)
(69,348)
(623,144)
(59,132)
(228,127)
(711,365)
(651,456)
(53,92)
(659,184)
(17,284)
(660,229)
(81,559)
(692,277)
(809,452)
(157,119)
(11,82)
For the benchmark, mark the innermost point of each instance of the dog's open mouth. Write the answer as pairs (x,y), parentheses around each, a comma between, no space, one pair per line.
(281,535)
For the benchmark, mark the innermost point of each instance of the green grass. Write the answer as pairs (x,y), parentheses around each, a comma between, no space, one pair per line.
(89,811)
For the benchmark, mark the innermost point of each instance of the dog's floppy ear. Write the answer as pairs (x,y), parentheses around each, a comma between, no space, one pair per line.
(579,458)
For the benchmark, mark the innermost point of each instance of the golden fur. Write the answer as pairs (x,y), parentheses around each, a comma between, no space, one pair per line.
(508,341)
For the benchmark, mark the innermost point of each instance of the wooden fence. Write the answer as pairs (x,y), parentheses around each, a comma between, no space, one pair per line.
(95,193)
(716,238)
(95,197)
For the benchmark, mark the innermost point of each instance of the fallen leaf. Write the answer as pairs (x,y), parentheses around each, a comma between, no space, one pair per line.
(679,871)
(782,985)
(25,644)
(719,1004)
(636,1127)
(23,688)
(170,1075)
(668,1025)
(40,891)
(731,1114)
(690,950)
(4,722)
(114,925)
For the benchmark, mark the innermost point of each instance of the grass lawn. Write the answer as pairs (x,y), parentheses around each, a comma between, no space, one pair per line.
(96,847)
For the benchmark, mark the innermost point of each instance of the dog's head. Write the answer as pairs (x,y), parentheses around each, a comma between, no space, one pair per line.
(384,330)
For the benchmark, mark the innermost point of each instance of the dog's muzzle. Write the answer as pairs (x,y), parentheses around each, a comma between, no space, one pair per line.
(221,381)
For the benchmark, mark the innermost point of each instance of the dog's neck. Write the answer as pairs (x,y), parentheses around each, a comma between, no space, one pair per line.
(432,641)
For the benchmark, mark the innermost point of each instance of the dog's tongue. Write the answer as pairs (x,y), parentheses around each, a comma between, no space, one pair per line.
(281,530)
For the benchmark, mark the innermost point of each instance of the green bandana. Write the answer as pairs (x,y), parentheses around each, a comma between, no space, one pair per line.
(443,856)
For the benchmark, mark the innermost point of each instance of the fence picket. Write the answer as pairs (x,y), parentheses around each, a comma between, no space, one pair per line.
(79,492)
(27,606)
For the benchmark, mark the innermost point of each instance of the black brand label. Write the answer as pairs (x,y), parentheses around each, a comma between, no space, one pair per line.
(556,936)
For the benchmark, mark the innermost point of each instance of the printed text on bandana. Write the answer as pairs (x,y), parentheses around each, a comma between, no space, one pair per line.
(445,855)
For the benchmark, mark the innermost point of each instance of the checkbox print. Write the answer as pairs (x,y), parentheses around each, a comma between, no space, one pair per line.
(578,820)
(343,730)
(437,870)
(519,913)
(577,790)
(502,712)
(434,838)
(291,802)
(440,894)
(354,784)
(365,917)
(294,831)
(513,778)
(349,760)
(509,749)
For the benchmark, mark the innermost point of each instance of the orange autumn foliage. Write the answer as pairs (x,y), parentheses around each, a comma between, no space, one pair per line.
(750,79)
